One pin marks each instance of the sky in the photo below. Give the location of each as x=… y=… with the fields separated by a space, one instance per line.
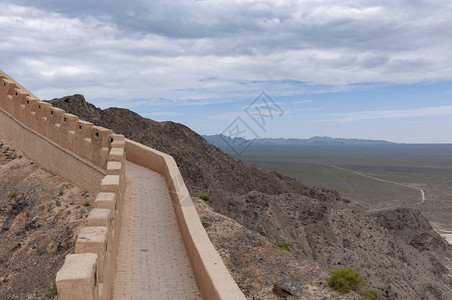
x=292 y=69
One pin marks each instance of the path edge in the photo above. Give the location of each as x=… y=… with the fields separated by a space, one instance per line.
x=212 y=276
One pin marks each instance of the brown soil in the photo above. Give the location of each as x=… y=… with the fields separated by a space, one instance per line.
x=40 y=214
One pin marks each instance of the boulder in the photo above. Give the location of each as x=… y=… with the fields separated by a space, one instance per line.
x=287 y=290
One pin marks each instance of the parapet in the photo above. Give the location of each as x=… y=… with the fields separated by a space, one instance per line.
x=91 y=142
x=79 y=269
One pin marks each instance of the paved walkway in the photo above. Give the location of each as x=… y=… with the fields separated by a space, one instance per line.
x=152 y=262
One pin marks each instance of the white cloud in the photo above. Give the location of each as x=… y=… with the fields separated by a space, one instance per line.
x=155 y=50
x=302 y=101
x=266 y=104
x=424 y=112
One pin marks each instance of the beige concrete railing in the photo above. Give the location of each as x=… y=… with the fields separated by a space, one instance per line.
x=90 y=156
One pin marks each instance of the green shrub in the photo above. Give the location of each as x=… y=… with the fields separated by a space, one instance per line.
x=345 y=279
x=12 y=194
x=283 y=245
x=86 y=203
x=369 y=295
x=204 y=197
x=52 y=292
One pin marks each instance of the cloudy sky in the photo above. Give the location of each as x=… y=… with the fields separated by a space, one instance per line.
x=364 y=69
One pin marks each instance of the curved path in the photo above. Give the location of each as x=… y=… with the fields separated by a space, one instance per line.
x=152 y=262
x=386 y=181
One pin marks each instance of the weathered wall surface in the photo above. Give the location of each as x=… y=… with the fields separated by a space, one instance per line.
x=92 y=157
x=59 y=142
x=50 y=156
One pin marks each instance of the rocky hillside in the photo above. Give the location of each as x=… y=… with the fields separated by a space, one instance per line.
x=397 y=252
x=204 y=167
x=40 y=214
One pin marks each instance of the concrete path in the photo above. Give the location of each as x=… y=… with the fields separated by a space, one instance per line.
x=152 y=262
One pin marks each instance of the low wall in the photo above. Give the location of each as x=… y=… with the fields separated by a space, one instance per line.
x=212 y=276
x=91 y=157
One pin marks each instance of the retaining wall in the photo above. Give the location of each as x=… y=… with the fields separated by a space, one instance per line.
x=91 y=157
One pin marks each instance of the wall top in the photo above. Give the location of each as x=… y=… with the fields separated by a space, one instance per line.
x=66 y=130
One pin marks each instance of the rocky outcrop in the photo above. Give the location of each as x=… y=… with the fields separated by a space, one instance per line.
x=412 y=228
x=287 y=290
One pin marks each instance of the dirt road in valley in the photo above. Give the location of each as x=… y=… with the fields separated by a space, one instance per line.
x=444 y=233
x=386 y=181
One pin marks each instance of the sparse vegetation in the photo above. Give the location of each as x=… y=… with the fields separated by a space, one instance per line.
x=345 y=279
x=369 y=295
x=86 y=203
x=283 y=245
x=52 y=292
x=204 y=197
x=12 y=194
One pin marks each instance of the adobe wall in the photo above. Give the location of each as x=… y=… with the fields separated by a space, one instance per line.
x=91 y=157
x=50 y=156
x=59 y=142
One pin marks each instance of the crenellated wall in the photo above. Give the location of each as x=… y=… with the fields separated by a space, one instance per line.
x=91 y=157
x=60 y=142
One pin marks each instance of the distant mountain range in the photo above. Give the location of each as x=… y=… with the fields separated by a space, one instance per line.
x=221 y=140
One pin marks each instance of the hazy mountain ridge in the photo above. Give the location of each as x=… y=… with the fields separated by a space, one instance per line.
x=397 y=251
x=221 y=140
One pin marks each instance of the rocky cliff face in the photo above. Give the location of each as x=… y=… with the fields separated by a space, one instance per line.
x=397 y=252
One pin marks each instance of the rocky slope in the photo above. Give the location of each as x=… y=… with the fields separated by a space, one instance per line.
x=204 y=167
x=256 y=263
x=397 y=252
x=40 y=214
